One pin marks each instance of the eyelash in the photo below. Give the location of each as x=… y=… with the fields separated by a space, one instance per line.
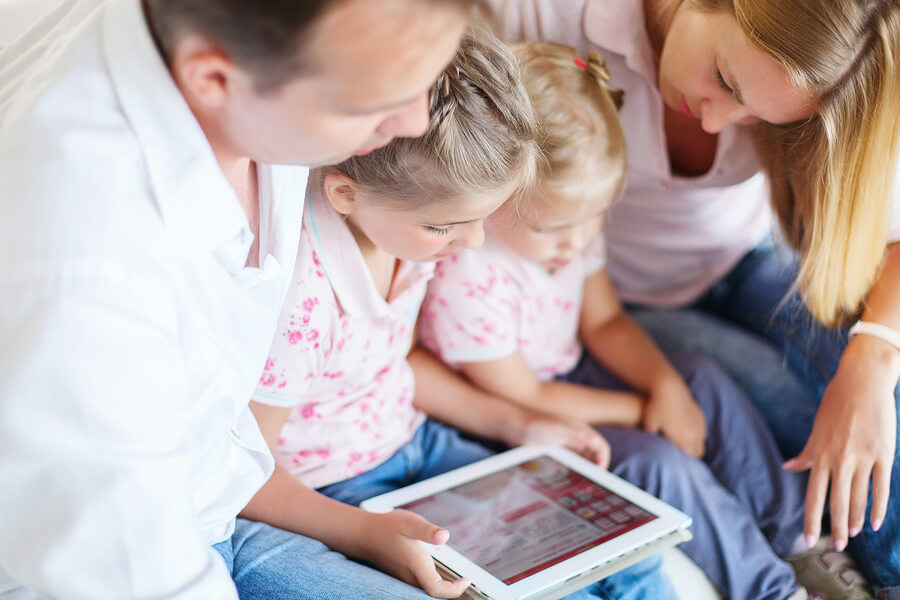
x=722 y=83
x=438 y=230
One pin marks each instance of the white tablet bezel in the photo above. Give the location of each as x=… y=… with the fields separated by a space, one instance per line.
x=668 y=520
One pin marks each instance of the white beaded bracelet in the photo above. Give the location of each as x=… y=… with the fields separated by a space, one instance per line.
x=882 y=332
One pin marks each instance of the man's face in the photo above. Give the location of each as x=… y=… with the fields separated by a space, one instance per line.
x=371 y=66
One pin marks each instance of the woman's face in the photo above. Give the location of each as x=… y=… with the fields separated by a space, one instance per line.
x=709 y=71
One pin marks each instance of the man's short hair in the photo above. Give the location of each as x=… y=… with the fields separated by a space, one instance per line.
x=264 y=36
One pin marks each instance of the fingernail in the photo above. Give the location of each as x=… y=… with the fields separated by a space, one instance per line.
x=876 y=524
x=854 y=531
x=839 y=545
x=810 y=540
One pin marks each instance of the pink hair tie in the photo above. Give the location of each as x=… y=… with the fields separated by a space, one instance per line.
x=581 y=64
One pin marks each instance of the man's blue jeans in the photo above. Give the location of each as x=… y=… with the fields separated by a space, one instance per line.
x=757 y=328
x=271 y=564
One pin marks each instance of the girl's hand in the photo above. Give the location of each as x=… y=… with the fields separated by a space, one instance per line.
x=672 y=411
x=393 y=543
x=541 y=429
x=852 y=442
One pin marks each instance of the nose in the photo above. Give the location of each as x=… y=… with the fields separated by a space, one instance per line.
x=717 y=115
x=573 y=238
x=410 y=120
x=472 y=235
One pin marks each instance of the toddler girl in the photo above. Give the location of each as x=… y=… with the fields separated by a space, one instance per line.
x=336 y=399
x=533 y=318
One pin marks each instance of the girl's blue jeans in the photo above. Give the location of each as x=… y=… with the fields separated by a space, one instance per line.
x=272 y=564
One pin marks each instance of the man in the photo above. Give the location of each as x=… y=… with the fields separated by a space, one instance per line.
x=145 y=246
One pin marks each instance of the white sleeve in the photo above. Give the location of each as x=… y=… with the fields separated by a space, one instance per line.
x=541 y=20
x=94 y=451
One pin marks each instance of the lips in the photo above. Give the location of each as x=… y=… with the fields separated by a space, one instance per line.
x=686 y=109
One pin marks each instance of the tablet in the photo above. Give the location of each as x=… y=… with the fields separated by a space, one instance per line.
x=537 y=522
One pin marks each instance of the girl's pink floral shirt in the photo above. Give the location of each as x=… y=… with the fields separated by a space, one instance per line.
x=486 y=304
x=339 y=356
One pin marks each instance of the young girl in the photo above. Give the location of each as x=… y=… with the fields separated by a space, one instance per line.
x=809 y=90
x=336 y=399
x=515 y=317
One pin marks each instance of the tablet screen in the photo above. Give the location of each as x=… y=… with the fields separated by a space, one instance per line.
x=528 y=517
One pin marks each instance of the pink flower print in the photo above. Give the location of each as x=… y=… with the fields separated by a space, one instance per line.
x=312 y=335
x=281 y=441
x=305 y=319
x=355 y=457
x=333 y=375
x=323 y=453
x=309 y=304
x=306 y=453
x=479 y=339
x=373 y=456
x=308 y=376
x=565 y=305
x=294 y=337
x=282 y=385
x=267 y=379
x=365 y=428
x=379 y=377
x=269 y=364
x=315 y=257
x=365 y=407
x=442 y=302
x=308 y=411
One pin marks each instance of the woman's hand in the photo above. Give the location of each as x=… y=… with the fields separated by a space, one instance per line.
x=852 y=443
x=538 y=428
x=672 y=411
x=393 y=543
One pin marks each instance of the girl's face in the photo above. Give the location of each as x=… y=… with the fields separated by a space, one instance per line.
x=709 y=71
x=551 y=234
x=431 y=232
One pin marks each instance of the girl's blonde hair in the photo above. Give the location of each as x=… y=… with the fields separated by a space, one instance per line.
x=831 y=175
x=481 y=137
x=582 y=143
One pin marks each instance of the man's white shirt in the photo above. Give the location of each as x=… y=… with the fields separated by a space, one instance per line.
x=132 y=333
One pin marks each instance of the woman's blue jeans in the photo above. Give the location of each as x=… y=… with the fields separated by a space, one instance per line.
x=755 y=325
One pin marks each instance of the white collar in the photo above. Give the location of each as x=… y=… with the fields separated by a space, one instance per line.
x=196 y=201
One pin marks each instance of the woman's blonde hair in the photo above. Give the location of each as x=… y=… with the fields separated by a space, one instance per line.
x=831 y=175
x=482 y=135
x=582 y=143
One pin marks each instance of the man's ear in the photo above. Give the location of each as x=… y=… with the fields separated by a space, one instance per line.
x=342 y=192
x=203 y=72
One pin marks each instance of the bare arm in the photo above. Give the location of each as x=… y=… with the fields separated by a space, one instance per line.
x=389 y=541
x=512 y=378
x=618 y=343
x=449 y=397
x=854 y=433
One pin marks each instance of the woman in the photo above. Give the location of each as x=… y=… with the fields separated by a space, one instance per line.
x=813 y=85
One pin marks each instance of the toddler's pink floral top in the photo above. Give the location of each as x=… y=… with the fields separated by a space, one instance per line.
x=339 y=356
x=484 y=305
